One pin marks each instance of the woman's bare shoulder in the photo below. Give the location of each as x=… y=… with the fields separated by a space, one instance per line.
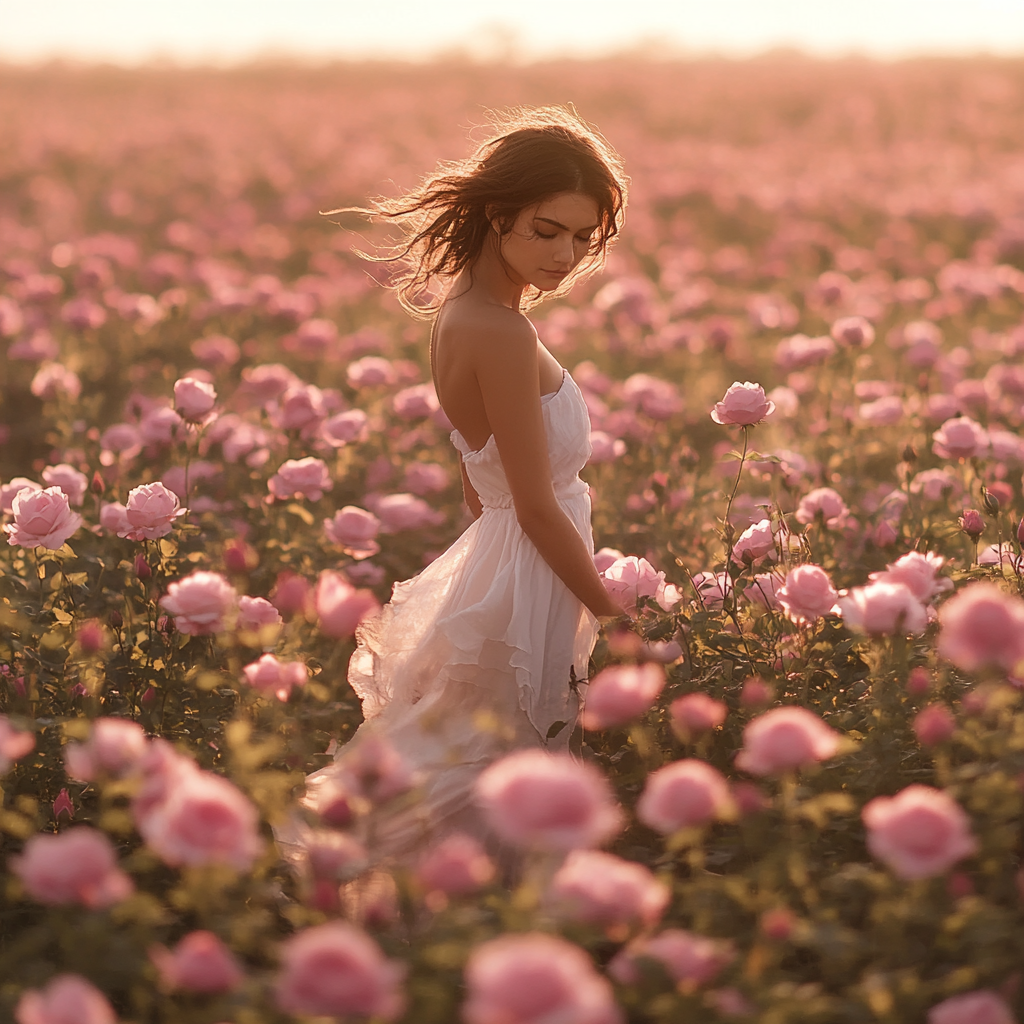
x=483 y=327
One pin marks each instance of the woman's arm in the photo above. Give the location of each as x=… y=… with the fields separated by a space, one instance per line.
x=469 y=492
x=507 y=372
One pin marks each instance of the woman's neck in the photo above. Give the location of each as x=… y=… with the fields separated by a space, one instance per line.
x=490 y=278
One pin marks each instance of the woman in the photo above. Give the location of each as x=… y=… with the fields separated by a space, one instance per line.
x=478 y=654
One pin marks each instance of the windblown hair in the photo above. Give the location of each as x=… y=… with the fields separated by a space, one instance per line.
x=536 y=153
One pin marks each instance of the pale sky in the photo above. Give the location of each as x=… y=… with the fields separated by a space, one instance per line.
x=132 y=31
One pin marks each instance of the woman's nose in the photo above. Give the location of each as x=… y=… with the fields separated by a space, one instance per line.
x=564 y=251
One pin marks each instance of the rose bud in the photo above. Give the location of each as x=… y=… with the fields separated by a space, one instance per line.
x=971 y=523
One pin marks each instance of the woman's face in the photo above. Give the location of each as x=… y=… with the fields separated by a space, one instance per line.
x=549 y=238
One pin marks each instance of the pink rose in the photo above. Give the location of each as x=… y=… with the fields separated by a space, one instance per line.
x=982 y=625
x=799 y=351
x=882 y=412
x=606 y=557
x=881 y=609
x=374 y=771
x=291 y=594
x=629 y=580
x=425 y=478
x=684 y=794
x=336 y=970
x=605 y=448
x=743 y=405
x=73 y=483
x=918 y=833
x=455 y=866
x=66 y=999
x=193 y=398
x=53 y=380
x=825 y=502
x=216 y=350
x=807 y=594
x=619 y=693
x=960 y=438
x=534 y=978
x=713 y=588
x=202 y=818
x=340 y=606
x=78 y=865
x=301 y=478
x=763 y=591
x=354 y=530
x=14 y=743
x=301 y=407
x=114 y=518
x=277 y=677
x=267 y=381
x=972 y=523
x=415 y=402
x=853 y=332
x=42 y=519
x=785 y=738
x=370 y=372
x=918 y=571
x=405 y=512
x=199 y=963
x=933 y=724
x=254 y=613
x=547 y=801
x=345 y=428
x=979 y=1007
x=9 y=491
x=200 y=602
x=696 y=713
x=755 y=543
x=115 y=748
x=688 y=958
x=598 y=888
x=150 y=512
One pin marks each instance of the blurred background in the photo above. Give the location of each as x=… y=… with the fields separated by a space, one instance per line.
x=192 y=31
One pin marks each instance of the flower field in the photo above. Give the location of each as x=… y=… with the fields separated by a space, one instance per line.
x=800 y=774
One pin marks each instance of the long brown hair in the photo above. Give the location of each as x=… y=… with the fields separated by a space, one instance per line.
x=535 y=153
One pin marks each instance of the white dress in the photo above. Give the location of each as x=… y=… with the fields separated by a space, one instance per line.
x=471 y=658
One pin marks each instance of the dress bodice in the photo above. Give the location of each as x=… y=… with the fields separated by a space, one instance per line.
x=567 y=425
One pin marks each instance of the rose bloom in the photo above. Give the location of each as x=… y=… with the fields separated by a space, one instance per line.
x=66 y=999
x=534 y=978
x=301 y=478
x=200 y=602
x=301 y=407
x=756 y=541
x=807 y=594
x=340 y=606
x=354 y=530
x=256 y=612
x=150 y=512
x=193 y=398
x=713 y=588
x=606 y=557
x=42 y=519
x=455 y=866
x=405 y=512
x=982 y=625
x=415 y=402
x=853 y=332
x=783 y=739
x=696 y=713
x=115 y=748
x=918 y=572
x=827 y=503
x=686 y=957
x=53 y=380
x=629 y=580
x=277 y=677
x=960 y=438
x=933 y=724
x=605 y=448
x=881 y=609
x=216 y=350
x=336 y=970
x=370 y=372
x=113 y=517
x=9 y=491
x=202 y=819
x=14 y=743
x=599 y=888
x=979 y=1007
x=684 y=794
x=935 y=484
x=918 y=833
x=882 y=412
x=743 y=405
x=73 y=483
x=619 y=693
x=267 y=381
x=345 y=428
x=425 y=478
x=78 y=865
x=547 y=801
x=199 y=963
